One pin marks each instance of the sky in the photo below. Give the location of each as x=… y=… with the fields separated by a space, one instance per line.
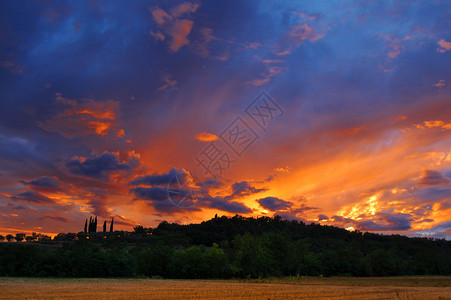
x=332 y=112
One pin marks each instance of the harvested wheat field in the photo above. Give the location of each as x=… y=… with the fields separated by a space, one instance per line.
x=303 y=288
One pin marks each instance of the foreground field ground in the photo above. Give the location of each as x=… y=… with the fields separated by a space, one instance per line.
x=302 y=288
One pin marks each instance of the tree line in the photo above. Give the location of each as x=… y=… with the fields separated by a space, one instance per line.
x=227 y=247
x=19 y=237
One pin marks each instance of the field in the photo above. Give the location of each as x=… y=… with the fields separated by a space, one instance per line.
x=302 y=288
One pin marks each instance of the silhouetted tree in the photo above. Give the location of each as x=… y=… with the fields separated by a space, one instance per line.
x=104 y=226
x=20 y=237
x=9 y=237
x=139 y=229
x=92 y=227
x=86 y=226
x=111 y=226
x=2 y=238
x=90 y=224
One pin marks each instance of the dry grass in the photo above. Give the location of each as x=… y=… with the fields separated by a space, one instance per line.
x=304 y=288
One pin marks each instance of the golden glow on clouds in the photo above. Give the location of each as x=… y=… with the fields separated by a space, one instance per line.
x=206 y=137
x=369 y=206
x=354 y=142
x=85 y=117
x=433 y=124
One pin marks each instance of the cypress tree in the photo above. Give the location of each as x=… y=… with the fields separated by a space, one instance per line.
x=111 y=226
x=86 y=225
x=104 y=226
x=95 y=225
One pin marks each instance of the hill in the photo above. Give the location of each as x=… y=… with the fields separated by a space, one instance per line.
x=226 y=247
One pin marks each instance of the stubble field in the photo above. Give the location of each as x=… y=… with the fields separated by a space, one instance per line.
x=303 y=288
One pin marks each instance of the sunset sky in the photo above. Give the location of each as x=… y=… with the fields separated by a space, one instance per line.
x=333 y=112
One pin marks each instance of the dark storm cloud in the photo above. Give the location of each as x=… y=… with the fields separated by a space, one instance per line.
x=58 y=219
x=158 y=197
x=381 y=221
x=274 y=203
x=396 y=221
x=431 y=177
x=171 y=177
x=154 y=193
x=212 y=183
x=32 y=197
x=243 y=188
x=98 y=167
x=44 y=182
x=225 y=205
x=431 y=194
x=322 y=217
x=164 y=193
x=178 y=186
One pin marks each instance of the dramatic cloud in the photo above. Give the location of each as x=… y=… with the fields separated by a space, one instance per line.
x=96 y=109
x=155 y=193
x=322 y=217
x=32 y=197
x=274 y=203
x=243 y=188
x=84 y=117
x=98 y=167
x=178 y=190
x=44 y=183
x=172 y=177
x=225 y=205
x=431 y=177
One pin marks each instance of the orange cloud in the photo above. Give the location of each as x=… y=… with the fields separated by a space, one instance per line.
x=178 y=29
x=184 y=8
x=159 y=15
x=120 y=133
x=444 y=46
x=441 y=83
x=206 y=137
x=179 y=32
x=84 y=117
x=437 y=124
x=101 y=128
x=401 y=118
